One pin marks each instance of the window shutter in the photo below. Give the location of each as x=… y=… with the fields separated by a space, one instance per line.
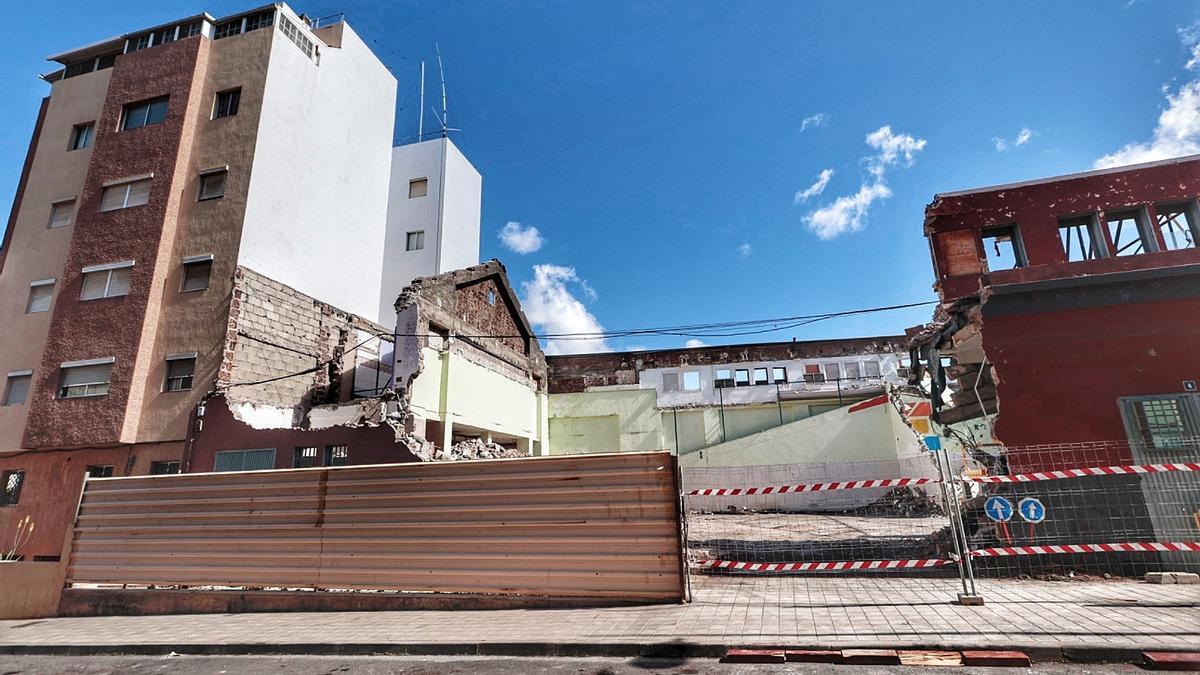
x=259 y=459
x=60 y=214
x=670 y=381
x=39 y=298
x=79 y=375
x=832 y=371
x=871 y=369
x=18 y=390
x=113 y=197
x=195 y=275
x=229 y=461
x=118 y=284
x=139 y=193
x=93 y=285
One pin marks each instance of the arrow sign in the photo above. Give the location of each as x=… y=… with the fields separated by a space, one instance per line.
x=1032 y=510
x=998 y=509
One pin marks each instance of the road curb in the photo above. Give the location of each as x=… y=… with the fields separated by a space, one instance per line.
x=674 y=649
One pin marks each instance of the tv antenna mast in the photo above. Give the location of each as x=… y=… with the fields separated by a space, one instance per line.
x=443 y=118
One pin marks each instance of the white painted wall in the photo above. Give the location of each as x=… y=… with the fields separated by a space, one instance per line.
x=708 y=394
x=316 y=211
x=449 y=215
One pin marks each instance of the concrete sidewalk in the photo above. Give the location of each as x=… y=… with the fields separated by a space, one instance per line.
x=1100 y=620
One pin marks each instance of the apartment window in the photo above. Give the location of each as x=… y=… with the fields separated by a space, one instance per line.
x=302 y=458
x=100 y=471
x=691 y=381
x=833 y=371
x=260 y=20
x=741 y=377
x=293 y=33
x=1179 y=224
x=337 y=455
x=670 y=381
x=11 y=481
x=77 y=379
x=1129 y=232
x=180 y=369
x=418 y=187
x=227 y=29
x=124 y=195
x=1081 y=238
x=1162 y=422
x=212 y=184
x=16 y=389
x=779 y=375
x=187 y=30
x=106 y=281
x=164 y=468
x=245 y=460
x=227 y=102
x=1002 y=248
x=143 y=114
x=870 y=369
x=196 y=271
x=41 y=293
x=724 y=379
x=61 y=213
x=491 y=296
x=81 y=135
x=165 y=35
x=414 y=241
x=851 y=370
x=760 y=376
x=140 y=42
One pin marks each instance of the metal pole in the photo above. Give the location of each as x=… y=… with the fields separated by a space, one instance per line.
x=953 y=527
x=675 y=419
x=779 y=402
x=839 y=385
x=421 y=107
x=962 y=528
x=721 y=409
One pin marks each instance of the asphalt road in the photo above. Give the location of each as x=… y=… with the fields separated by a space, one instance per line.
x=376 y=665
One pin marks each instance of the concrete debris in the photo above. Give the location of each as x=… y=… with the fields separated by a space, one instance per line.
x=472 y=448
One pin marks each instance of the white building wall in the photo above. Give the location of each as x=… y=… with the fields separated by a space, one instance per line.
x=707 y=394
x=316 y=211
x=448 y=214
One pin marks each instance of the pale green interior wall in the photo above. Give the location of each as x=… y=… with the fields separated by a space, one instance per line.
x=638 y=427
x=579 y=435
x=452 y=388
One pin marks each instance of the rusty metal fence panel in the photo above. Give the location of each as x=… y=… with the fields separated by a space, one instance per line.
x=581 y=526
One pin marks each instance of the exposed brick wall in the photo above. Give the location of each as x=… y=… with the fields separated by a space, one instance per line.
x=576 y=373
x=275 y=330
x=491 y=318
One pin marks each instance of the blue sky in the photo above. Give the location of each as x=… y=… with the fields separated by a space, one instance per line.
x=658 y=147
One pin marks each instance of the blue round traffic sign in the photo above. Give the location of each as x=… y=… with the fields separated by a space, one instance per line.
x=1031 y=510
x=998 y=509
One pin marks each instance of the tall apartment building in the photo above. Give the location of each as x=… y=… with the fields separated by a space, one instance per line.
x=162 y=162
x=432 y=219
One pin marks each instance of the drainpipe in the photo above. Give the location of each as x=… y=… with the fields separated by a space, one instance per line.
x=721 y=409
x=779 y=402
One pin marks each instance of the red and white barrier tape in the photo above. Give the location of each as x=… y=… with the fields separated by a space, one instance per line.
x=810 y=487
x=1124 y=547
x=1088 y=471
x=831 y=566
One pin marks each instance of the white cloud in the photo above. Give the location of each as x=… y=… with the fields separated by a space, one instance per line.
x=745 y=250
x=815 y=189
x=1178 y=130
x=693 y=343
x=1022 y=138
x=849 y=212
x=520 y=239
x=552 y=308
x=813 y=121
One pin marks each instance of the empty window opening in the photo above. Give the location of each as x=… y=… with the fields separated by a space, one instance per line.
x=724 y=378
x=302 y=458
x=144 y=113
x=100 y=471
x=1128 y=232
x=418 y=187
x=212 y=185
x=11 y=482
x=106 y=281
x=125 y=195
x=1179 y=225
x=164 y=468
x=1002 y=248
x=670 y=381
x=741 y=377
x=491 y=296
x=81 y=378
x=41 y=294
x=81 y=135
x=414 y=241
x=337 y=455
x=16 y=389
x=61 y=213
x=196 y=272
x=691 y=381
x=779 y=375
x=870 y=369
x=227 y=103
x=760 y=376
x=180 y=369
x=1081 y=238
x=244 y=460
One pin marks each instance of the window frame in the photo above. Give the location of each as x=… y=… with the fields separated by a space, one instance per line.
x=104 y=471
x=846 y=367
x=867 y=365
x=11 y=496
x=737 y=377
x=27 y=377
x=70 y=205
x=1189 y=210
x=244 y=452
x=167 y=464
x=129 y=108
x=128 y=185
x=108 y=269
x=301 y=452
x=84 y=130
x=414 y=182
x=331 y=455
x=208 y=175
x=232 y=103
x=39 y=284
x=1145 y=234
x=168 y=378
x=1089 y=222
x=1013 y=233
x=68 y=365
x=688 y=374
x=775 y=379
x=766 y=376
x=1187 y=406
x=194 y=262
x=408 y=238
x=723 y=382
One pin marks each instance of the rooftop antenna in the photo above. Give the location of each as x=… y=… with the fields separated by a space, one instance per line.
x=421 y=107
x=442 y=76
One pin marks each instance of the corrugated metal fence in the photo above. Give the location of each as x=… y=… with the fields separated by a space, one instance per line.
x=592 y=526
